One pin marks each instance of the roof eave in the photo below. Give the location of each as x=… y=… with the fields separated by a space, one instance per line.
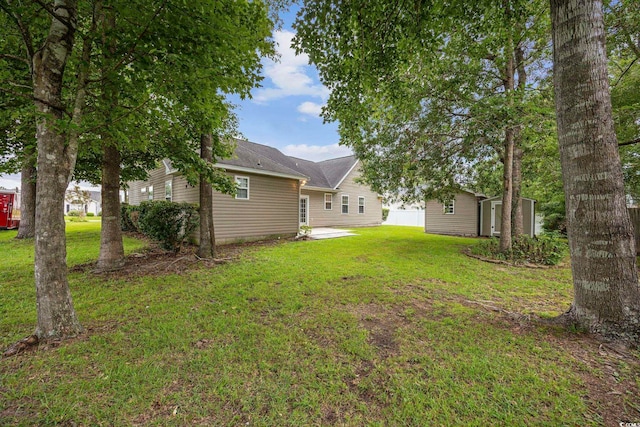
x=347 y=174
x=259 y=171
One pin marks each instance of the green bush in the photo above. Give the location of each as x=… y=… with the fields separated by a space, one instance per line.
x=385 y=213
x=90 y=214
x=546 y=249
x=126 y=222
x=73 y=213
x=168 y=223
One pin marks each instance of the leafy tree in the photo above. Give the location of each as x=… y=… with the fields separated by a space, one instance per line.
x=423 y=92
x=601 y=238
x=171 y=62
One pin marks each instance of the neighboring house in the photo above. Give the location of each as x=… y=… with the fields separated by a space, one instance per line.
x=471 y=214
x=276 y=194
x=94 y=204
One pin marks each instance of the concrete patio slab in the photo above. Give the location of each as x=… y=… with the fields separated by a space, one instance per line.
x=320 y=233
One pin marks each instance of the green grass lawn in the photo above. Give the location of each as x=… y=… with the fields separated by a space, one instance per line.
x=390 y=327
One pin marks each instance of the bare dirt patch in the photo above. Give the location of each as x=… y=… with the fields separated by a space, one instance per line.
x=610 y=371
x=154 y=261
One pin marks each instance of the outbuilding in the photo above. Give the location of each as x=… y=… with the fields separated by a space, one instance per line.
x=491 y=216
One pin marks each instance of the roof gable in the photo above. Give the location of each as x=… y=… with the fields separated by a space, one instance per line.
x=327 y=174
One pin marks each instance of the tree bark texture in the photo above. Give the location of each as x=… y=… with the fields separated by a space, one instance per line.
x=28 y=197
x=207 y=248
x=56 y=315
x=601 y=238
x=507 y=173
x=517 y=220
x=111 y=247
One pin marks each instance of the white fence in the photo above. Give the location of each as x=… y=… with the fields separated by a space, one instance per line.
x=402 y=217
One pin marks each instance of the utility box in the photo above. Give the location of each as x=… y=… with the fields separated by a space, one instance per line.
x=9 y=209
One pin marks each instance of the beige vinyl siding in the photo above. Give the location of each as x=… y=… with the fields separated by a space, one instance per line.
x=271 y=210
x=463 y=222
x=320 y=217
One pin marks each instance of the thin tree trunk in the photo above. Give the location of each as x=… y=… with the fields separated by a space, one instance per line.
x=507 y=190
x=517 y=218
x=507 y=173
x=601 y=238
x=28 y=196
x=207 y=248
x=111 y=246
x=56 y=315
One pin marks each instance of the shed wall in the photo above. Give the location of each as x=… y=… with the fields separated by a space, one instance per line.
x=463 y=222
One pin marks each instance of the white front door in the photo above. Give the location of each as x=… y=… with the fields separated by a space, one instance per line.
x=304 y=210
x=496 y=218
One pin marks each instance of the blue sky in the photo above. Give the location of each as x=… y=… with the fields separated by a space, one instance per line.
x=285 y=112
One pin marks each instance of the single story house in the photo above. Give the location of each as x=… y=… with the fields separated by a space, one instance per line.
x=276 y=194
x=92 y=205
x=472 y=214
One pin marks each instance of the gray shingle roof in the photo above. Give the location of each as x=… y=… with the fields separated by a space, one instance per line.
x=326 y=174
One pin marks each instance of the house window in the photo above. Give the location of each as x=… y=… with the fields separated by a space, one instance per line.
x=150 y=192
x=449 y=207
x=345 y=204
x=360 y=205
x=328 y=201
x=168 y=190
x=242 y=187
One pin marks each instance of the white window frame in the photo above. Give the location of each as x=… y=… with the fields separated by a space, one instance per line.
x=168 y=190
x=449 y=208
x=150 y=192
x=238 y=187
x=342 y=204
x=330 y=202
x=361 y=205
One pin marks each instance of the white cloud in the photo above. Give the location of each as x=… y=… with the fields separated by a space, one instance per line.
x=316 y=153
x=290 y=76
x=310 y=108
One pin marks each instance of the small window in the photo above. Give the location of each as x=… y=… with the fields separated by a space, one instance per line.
x=168 y=190
x=150 y=192
x=449 y=208
x=360 y=205
x=143 y=190
x=328 y=201
x=345 y=204
x=242 y=187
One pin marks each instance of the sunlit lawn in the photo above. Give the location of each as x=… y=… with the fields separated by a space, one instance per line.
x=389 y=327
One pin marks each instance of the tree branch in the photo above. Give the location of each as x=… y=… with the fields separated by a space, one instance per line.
x=15 y=58
x=139 y=37
x=53 y=13
x=633 y=141
x=24 y=30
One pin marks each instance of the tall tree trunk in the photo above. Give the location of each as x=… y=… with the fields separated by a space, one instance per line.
x=517 y=216
x=56 y=159
x=111 y=246
x=517 y=220
x=207 y=248
x=507 y=190
x=601 y=238
x=507 y=173
x=28 y=196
